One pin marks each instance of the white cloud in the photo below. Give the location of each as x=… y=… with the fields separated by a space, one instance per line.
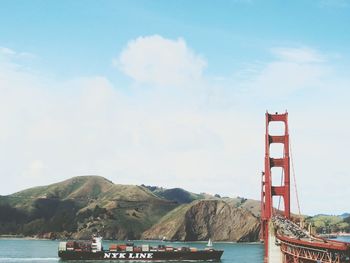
x=293 y=70
x=283 y=78
x=160 y=61
x=298 y=55
x=86 y=126
x=7 y=52
x=54 y=130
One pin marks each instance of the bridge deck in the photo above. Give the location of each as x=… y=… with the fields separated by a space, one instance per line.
x=298 y=245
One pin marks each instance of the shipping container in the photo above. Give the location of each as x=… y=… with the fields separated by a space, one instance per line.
x=137 y=249
x=121 y=247
x=129 y=249
x=113 y=247
x=145 y=247
x=70 y=244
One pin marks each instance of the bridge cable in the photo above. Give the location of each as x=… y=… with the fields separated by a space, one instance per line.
x=293 y=172
x=280 y=197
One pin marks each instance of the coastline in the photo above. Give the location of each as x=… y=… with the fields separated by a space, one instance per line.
x=7 y=237
x=14 y=237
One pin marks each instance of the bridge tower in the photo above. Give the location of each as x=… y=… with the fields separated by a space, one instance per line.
x=267 y=189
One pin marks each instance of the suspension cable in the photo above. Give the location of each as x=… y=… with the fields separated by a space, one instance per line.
x=293 y=172
x=280 y=197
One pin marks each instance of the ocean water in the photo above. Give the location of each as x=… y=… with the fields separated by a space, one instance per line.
x=45 y=251
x=344 y=239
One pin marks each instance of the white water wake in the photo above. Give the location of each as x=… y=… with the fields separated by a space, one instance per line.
x=28 y=259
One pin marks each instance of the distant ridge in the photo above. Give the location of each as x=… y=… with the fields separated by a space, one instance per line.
x=178 y=195
x=83 y=205
x=344 y=215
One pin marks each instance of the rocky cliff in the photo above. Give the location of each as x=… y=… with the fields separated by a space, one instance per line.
x=204 y=219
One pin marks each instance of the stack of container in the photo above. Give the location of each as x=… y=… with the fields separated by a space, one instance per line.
x=129 y=249
x=169 y=248
x=153 y=249
x=121 y=247
x=161 y=248
x=145 y=248
x=83 y=246
x=113 y=247
x=137 y=249
x=70 y=245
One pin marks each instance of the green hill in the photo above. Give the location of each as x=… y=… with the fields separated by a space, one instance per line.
x=178 y=195
x=329 y=223
x=81 y=206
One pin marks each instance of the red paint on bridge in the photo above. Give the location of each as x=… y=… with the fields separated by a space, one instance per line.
x=268 y=190
x=294 y=249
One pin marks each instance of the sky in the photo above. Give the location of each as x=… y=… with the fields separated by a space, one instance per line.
x=174 y=94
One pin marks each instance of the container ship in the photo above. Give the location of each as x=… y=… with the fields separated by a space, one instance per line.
x=93 y=250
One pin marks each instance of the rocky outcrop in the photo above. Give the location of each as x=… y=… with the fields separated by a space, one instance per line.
x=204 y=219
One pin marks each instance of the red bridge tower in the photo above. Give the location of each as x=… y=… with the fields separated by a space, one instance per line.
x=269 y=190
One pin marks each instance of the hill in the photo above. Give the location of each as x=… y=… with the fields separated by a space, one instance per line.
x=178 y=195
x=329 y=223
x=204 y=219
x=344 y=215
x=83 y=205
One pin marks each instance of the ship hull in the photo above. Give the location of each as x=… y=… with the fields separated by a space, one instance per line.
x=205 y=255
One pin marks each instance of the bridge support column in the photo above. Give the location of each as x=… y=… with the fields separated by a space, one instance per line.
x=268 y=190
x=275 y=254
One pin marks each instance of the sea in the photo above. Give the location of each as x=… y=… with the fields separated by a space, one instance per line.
x=45 y=251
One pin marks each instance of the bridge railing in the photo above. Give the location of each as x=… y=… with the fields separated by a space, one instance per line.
x=295 y=253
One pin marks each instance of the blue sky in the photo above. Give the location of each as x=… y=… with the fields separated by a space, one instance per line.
x=241 y=30
x=173 y=93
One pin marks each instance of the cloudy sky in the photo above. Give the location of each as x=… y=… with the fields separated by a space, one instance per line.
x=173 y=93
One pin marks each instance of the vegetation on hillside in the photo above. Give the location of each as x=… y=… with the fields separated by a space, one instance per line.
x=325 y=224
x=178 y=195
x=81 y=206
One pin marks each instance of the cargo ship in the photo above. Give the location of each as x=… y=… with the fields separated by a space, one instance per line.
x=93 y=250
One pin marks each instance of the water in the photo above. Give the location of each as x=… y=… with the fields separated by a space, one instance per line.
x=344 y=239
x=45 y=251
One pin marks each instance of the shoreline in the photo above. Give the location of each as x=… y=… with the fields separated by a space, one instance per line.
x=22 y=238
x=9 y=237
x=6 y=237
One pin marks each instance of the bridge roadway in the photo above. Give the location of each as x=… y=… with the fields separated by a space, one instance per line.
x=288 y=243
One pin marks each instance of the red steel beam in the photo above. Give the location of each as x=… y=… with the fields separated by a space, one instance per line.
x=267 y=189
